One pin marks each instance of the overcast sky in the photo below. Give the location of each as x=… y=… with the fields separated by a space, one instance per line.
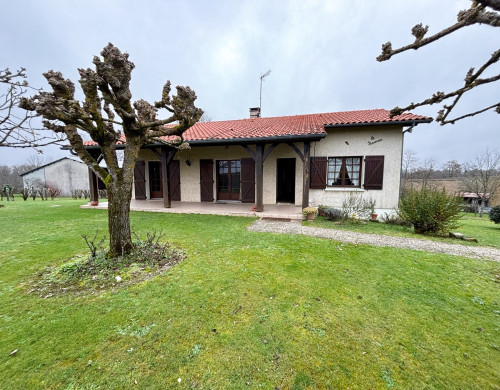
x=321 y=55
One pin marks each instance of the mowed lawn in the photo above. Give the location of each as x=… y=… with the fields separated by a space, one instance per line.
x=245 y=310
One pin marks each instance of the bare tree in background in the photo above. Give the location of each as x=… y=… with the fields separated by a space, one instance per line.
x=452 y=169
x=205 y=118
x=410 y=161
x=425 y=172
x=485 y=12
x=481 y=176
x=110 y=118
x=16 y=130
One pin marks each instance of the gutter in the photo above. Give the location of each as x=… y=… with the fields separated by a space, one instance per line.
x=411 y=123
x=253 y=140
x=230 y=141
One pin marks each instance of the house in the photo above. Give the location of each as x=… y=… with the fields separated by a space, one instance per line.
x=66 y=174
x=301 y=159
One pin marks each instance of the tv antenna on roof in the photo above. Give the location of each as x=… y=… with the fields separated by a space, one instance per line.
x=261 y=79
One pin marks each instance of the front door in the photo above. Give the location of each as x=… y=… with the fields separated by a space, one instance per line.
x=285 y=180
x=155 y=184
x=228 y=179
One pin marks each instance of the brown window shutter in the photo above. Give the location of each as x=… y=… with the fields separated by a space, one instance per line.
x=374 y=172
x=247 y=180
x=207 y=180
x=318 y=173
x=140 y=180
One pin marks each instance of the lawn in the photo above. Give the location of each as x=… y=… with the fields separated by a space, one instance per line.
x=245 y=310
x=483 y=229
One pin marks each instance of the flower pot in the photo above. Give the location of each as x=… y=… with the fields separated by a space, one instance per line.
x=374 y=217
x=311 y=216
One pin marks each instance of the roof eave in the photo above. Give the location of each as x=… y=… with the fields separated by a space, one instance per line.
x=232 y=141
x=408 y=122
x=253 y=140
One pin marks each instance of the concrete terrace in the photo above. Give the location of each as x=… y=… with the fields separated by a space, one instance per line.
x=275 y=211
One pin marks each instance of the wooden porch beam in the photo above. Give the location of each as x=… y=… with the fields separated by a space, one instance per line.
x=165 y=179
x=259 y=177
x=305 y=174
x=94 y=188
x=269 y=150
x=165 y=155
x=266 y=153
x=297 y=150
x=250 y=151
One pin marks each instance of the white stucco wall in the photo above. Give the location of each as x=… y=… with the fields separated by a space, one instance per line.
x=339 y=142
x=363 y=141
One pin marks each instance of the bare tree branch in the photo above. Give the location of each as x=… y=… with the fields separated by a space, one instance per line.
x=477 y=14
x=16 y=130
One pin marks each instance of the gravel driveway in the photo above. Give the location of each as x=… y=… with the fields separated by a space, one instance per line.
x=295 y=227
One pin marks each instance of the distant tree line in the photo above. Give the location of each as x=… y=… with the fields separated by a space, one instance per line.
x=480 y=176
x=427 y=169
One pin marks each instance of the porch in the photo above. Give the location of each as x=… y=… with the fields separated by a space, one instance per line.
x=281 y=211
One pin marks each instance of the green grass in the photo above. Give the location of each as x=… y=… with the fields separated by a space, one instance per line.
x=245 y=310
x=484 y=230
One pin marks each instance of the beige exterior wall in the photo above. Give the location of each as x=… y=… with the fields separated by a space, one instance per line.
x=338 y=143
x=363 y=141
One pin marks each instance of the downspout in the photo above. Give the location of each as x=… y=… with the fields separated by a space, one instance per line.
x=409 y=130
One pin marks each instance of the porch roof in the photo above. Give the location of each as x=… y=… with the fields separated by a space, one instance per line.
x=289 y=128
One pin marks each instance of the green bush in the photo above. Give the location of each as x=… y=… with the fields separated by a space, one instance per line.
x=430 y=210
x=495 y=214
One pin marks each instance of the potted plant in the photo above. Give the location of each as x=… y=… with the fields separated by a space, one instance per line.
x=371 y=205
x=310 y=213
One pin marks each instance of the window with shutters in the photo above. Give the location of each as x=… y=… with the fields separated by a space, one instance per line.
x=344 y=172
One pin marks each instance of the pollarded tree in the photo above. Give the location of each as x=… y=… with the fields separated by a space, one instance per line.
x=485 y=12
x=108 y=116
x=16 y=130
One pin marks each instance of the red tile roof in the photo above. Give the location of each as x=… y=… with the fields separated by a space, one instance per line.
x=294 y=126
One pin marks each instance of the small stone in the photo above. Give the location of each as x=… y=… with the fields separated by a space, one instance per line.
x=470 y=239
x=118 y=279
x=460 y=236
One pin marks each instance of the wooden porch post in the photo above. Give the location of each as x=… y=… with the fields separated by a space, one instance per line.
x=259 y=176
x=94 y=188
x=306 y=175
x=164 y=177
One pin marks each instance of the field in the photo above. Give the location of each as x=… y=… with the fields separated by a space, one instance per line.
x=244 y=310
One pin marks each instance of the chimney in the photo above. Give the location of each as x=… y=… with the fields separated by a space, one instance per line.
x=255 y=112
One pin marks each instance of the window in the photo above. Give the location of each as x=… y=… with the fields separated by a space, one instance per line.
x=344 y=171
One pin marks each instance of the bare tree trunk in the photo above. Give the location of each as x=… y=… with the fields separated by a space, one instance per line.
x=119 y=195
